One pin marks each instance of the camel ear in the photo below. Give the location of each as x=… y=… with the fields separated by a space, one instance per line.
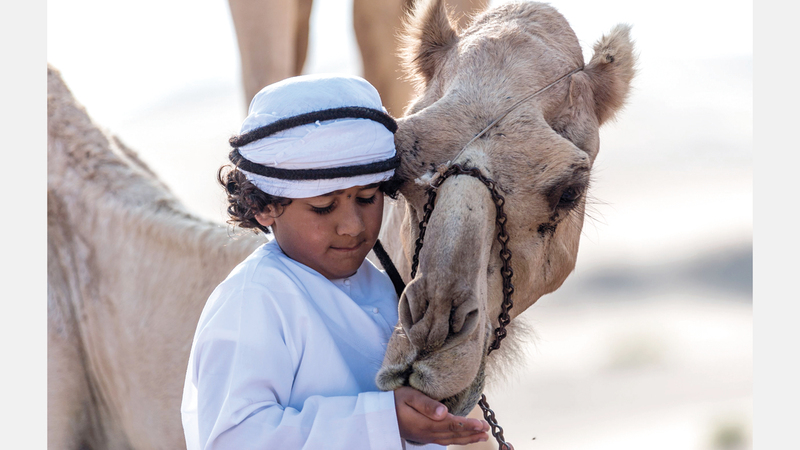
x=429 y=33
x=610 y=71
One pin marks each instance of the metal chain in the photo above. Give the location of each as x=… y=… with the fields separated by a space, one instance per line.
x=506 y=272
x=497 y=430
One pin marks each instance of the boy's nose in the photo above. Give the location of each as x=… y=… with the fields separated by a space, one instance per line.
x=350 y=223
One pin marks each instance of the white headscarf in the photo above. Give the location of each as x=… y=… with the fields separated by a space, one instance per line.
x=324 y=144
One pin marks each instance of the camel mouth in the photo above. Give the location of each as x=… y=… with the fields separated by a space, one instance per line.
x=462 y=403
x=459 y=404
x=421 y=373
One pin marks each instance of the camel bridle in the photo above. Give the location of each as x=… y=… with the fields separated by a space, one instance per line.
x=502 y=237
x=444 y=172
x=506 y=272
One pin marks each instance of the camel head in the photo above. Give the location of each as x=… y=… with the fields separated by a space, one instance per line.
x=540 y=155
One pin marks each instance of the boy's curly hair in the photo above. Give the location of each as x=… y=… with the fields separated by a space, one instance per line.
x=245 y=200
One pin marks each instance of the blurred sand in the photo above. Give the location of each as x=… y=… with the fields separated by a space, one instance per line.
x=648 y=344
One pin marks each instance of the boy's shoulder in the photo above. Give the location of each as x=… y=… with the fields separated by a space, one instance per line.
x=263 y=280
x=266 y=267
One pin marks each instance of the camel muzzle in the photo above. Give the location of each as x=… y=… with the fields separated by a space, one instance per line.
x=438 y=319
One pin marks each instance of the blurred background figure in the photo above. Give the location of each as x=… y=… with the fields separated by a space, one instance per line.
x=649 y=343
x=272 y=36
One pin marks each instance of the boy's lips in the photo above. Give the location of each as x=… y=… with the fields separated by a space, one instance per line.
x=347 y=248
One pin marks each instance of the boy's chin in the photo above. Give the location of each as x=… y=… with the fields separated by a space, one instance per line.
x=340 y=275
x=343 y=269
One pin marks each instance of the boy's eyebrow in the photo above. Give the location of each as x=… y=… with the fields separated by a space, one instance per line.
x=369 y=186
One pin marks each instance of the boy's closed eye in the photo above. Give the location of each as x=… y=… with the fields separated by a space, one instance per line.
x=364 y=197
x=323 y=209
x=367 y=195
x=366 y=200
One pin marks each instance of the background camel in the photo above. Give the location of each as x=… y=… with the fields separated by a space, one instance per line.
x=273 y=41
x=128 y=268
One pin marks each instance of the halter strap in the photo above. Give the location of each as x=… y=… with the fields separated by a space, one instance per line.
x=512 y=108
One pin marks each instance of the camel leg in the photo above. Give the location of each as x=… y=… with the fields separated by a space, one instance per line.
x=301 y=35
x=377 y=24
x=263 y=31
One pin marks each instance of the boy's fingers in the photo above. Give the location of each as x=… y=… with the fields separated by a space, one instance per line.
x=456 y=435
x=479 y=425
x=462 y=424
x=427 y=406
x=479 y=437
x=454 y=426
x=459 y=426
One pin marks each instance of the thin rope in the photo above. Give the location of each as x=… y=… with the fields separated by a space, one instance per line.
x=513 y=107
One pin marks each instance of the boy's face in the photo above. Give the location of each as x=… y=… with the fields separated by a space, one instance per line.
x=331 y=233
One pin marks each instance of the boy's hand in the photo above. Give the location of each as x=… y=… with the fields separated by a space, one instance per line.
x=424 y=420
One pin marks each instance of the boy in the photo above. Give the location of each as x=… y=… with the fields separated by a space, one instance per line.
x=287 y=347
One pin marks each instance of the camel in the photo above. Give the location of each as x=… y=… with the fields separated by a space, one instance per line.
x=539 y=152
x=128 y=271
x=129 y=268
x=273 y=41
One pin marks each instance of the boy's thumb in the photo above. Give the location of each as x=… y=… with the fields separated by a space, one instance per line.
x=429 y=407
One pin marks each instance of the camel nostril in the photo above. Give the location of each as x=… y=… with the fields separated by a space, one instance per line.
x=463 y=320
x=413 y=305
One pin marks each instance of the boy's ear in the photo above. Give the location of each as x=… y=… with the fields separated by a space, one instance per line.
x=265 y=218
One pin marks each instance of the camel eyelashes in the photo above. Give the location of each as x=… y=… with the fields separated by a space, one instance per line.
x=567 y=198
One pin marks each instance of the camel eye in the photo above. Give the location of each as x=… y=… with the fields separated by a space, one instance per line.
x=569 y=197
x=565 y=195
